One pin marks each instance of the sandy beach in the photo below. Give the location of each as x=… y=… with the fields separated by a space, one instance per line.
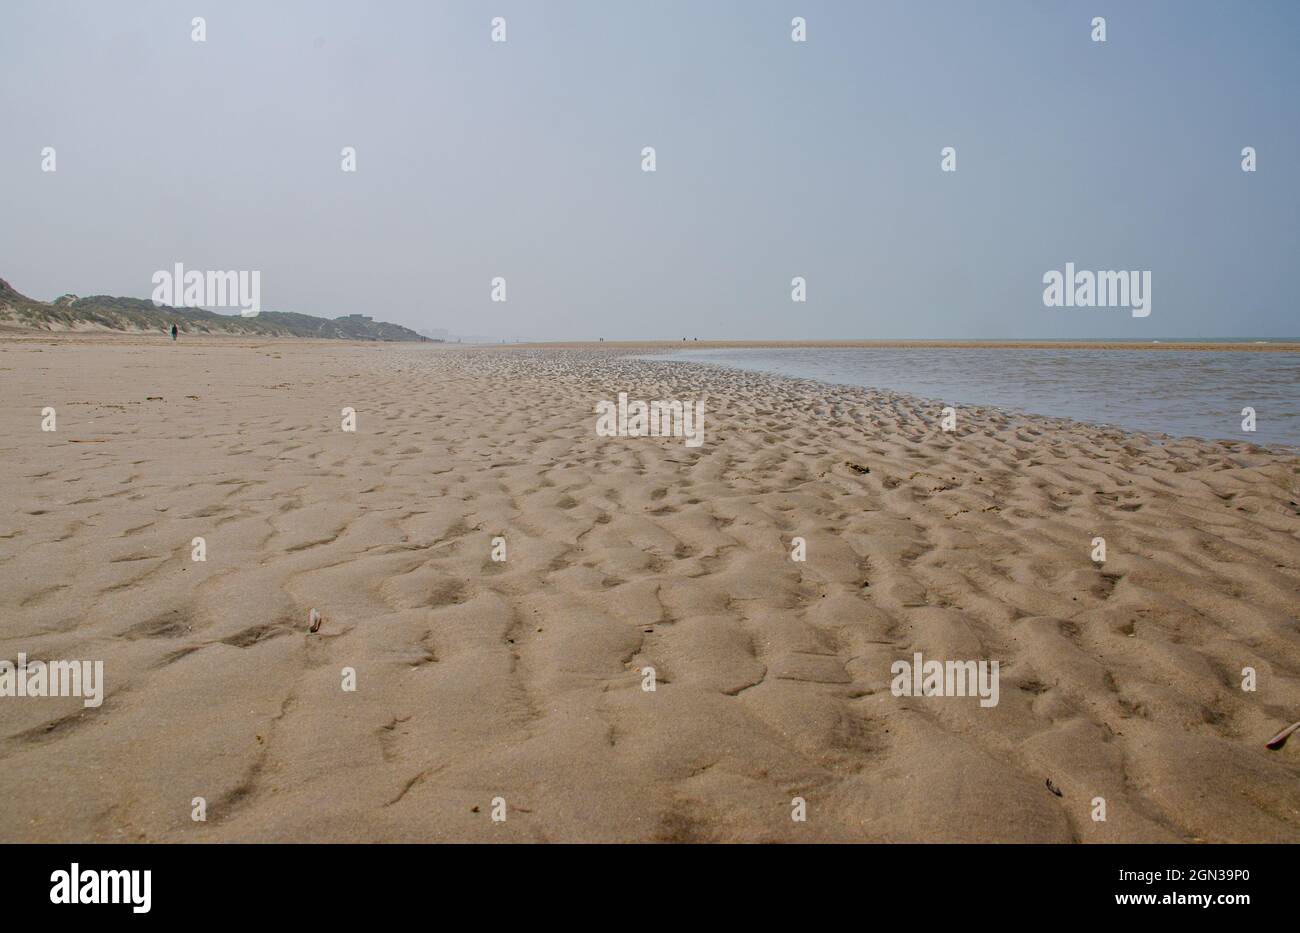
x=523 y=679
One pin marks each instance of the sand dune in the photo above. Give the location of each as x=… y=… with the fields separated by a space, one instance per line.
x=478 y=679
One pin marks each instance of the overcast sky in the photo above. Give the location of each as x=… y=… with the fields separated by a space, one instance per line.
x=774 y=159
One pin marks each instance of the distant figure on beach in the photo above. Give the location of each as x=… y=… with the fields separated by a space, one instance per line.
x=174 y=332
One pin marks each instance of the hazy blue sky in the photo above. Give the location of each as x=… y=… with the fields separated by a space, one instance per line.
x=775 y=159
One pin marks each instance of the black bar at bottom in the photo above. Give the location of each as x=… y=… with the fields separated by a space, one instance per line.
x=304 y=883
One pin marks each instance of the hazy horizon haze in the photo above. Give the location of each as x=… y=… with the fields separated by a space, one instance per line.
x=775 y=159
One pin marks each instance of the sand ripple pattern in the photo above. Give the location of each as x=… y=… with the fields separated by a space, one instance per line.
x=522 y=680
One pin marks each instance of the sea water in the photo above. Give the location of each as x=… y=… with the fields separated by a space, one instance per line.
x=1197 y=393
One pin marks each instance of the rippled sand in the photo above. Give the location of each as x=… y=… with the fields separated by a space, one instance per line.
x=523 y=680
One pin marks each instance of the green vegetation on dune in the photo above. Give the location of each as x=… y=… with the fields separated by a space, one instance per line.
x=104 y=312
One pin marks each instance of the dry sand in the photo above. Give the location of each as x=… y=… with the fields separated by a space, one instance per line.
x=523 y=680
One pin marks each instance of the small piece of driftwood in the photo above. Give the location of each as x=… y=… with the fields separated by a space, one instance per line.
x=1280 y=739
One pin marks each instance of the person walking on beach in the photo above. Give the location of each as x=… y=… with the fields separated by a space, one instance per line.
x=174 y=332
